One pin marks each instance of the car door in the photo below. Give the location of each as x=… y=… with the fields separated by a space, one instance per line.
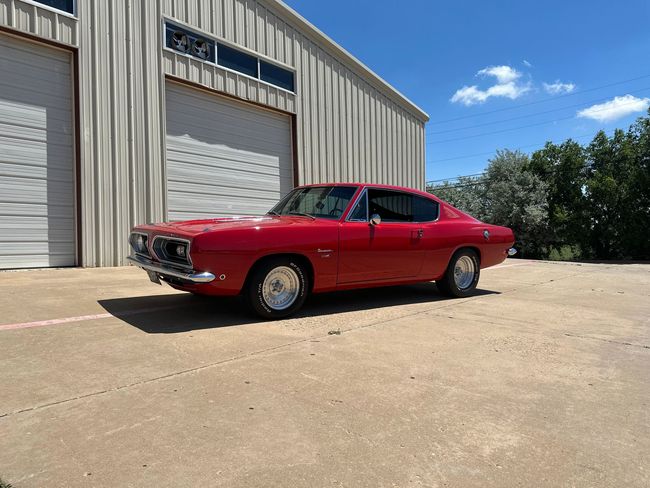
x=389 y=250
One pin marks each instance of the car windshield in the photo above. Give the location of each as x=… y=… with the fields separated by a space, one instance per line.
x=326 y=202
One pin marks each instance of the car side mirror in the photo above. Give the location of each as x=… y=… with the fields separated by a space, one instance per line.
x=375 y=219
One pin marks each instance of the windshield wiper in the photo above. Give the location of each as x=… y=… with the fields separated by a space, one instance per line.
x=303 y=215
x=272 y=212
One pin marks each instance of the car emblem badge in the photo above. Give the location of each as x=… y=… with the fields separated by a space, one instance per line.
x=486 y=234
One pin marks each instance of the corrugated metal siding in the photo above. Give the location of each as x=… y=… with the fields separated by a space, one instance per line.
x=39 y=21
x=230 y=82
x=122 y=144
x=349 y=129
x=350 y=126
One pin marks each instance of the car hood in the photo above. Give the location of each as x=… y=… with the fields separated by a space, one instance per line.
x=194 y=227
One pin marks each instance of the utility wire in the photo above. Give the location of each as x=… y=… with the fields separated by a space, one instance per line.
x=540 y=144
x=540 y=101
x=451 y=187
x=519 y=127
x=492 y=152
x=456 y=178
x=531 y=115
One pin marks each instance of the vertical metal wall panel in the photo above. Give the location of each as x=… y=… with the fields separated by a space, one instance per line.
x=122 y=170
x=39 y=21
x=367 y=143
x=350 y=125
x=212 y=76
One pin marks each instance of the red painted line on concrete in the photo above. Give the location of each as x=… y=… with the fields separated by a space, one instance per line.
x=509 y=265
x=66 y=320
x=83 y=318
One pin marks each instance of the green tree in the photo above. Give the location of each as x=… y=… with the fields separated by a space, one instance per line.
x=618 y=192
x=508 y=194
x=515 y=197
x=465 y=194
x=638 y=220
x=563 y=168
x=567 y=201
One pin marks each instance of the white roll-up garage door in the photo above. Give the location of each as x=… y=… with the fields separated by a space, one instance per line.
x=224 y=157
x=37 y=226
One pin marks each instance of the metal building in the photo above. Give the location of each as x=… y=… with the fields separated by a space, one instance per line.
x=118 y=112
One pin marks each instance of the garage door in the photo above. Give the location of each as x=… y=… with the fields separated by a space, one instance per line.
x=224 y=157
x=36 y=156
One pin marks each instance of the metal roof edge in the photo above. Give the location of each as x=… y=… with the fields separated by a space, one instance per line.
x=321 y=36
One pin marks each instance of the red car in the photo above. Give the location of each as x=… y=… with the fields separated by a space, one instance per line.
x=322 y=238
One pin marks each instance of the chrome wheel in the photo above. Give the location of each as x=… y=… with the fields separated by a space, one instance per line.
x=464 y=272
x=280 y=288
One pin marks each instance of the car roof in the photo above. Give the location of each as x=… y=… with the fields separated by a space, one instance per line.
x=376 y=185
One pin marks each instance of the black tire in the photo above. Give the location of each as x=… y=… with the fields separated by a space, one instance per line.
x=448 y=284
x=254 y=292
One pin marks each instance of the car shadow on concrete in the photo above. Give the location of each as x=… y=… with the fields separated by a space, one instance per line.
x=183 y=312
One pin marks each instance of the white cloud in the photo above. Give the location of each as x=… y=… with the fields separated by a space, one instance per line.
x=527 y=63
x=503 y=74
x=507 y=85
x=558 y=87
x=615 y=109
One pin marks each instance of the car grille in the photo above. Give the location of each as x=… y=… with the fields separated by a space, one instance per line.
x=172 y=250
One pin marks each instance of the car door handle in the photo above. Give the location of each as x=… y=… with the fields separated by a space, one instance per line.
x=418 y=233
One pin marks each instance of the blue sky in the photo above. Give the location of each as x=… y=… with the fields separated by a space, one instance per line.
x=483 y=70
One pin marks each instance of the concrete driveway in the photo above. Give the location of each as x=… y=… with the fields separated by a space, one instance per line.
x=542 y=379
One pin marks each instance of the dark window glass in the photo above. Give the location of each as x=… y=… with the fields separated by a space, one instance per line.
x=65 y=5
x=391 y=206
x=360 y=212
x=276 y=76
x=236 y=60
x=327 y=202
x=424 y=209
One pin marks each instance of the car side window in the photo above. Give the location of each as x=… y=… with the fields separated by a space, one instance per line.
x=360 y=211
x=424 y=209
x=390 y=205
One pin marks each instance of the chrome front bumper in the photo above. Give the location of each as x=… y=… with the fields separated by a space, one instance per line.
x=161 y=269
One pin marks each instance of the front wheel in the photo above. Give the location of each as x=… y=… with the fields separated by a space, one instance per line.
x=462 y=274
x=277 y=288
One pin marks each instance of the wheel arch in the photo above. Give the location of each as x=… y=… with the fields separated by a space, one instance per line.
x=471 y=247
x=309 y=267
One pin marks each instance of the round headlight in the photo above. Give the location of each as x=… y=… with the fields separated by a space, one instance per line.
x=180 y=250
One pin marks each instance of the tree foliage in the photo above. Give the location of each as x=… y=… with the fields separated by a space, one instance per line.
x=568 y=201
x=508 y=194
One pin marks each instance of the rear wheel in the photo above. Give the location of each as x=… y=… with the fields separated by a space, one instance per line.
x=277 y=288
x=462 y=274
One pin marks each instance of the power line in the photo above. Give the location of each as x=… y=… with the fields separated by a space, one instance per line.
x=456 y=178
x=531 y=115
x=491 y=153
x=472 y=155
x=540 y=101
x=501 y=131
x=451 y=187
x=519 y=127
x=541 y=144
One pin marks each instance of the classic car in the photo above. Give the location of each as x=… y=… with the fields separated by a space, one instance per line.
x=322 y=238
